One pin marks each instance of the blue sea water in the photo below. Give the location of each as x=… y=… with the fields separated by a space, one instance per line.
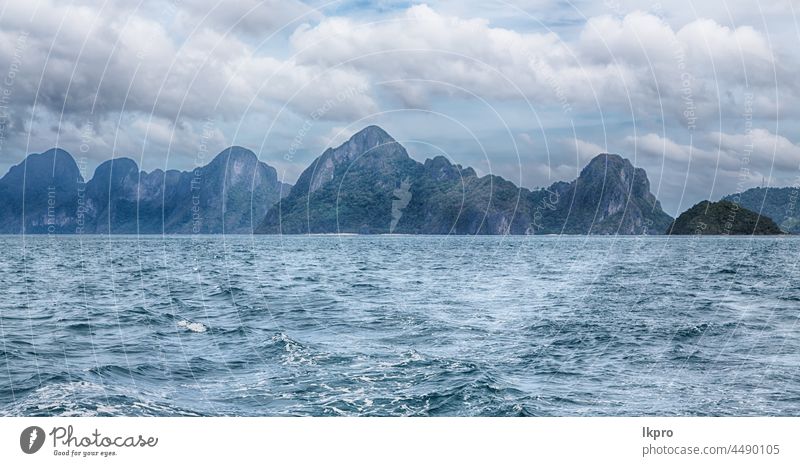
x=397 y=326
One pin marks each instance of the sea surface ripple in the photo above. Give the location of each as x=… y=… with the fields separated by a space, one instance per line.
x=399 y=326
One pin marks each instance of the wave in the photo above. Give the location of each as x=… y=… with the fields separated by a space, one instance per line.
x=82 y=398
x=197 y=327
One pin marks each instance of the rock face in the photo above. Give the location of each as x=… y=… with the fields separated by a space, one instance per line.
x=112 y=198
x=347 y=189
x=779 y=204
x=610 y=196
x=722 y=218
x=230 y=194
x=449 y=199
x=370 y=185
x=41 y=195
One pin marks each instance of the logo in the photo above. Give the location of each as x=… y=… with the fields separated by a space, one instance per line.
x=31 y=439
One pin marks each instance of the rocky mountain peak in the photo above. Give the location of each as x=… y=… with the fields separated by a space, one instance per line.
x=371 y=136
x=117 y=168
x=235 y=153
x=54 y=167
x=607 y=165
x=441 y=168
x=370 y=140
x=610 y=196
x=371 y=148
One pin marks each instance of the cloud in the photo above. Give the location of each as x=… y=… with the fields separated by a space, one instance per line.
x=715 y=164
x=422 y=44
x=637 y=64
x=81 y=61
x=585 y=150
x=654 y=144
x=767 y=151
x=146 y=76
x=254 y=18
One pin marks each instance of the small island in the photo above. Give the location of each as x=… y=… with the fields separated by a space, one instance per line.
x=722 y=218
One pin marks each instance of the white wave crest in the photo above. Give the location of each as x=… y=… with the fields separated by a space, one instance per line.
x=193 y=326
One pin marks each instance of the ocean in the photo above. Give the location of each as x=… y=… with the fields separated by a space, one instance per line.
x=399 y=326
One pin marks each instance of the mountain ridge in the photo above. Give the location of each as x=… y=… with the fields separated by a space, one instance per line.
x=46 y=193
x=369 y=184
x=778 y=203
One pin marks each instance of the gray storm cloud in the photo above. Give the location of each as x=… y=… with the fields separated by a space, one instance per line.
x=145 y=77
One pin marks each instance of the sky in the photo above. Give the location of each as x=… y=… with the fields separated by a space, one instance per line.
x=702 y=95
